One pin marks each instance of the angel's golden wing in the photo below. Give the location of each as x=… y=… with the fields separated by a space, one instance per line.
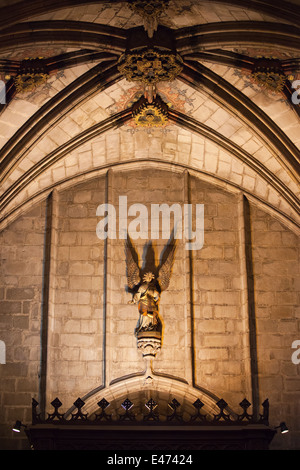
x=133 y=270
x=165 y=270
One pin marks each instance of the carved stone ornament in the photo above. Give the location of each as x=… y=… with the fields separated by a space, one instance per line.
x=269 y=74
x=150 y=114
x=150 y=11
x=31 y=74
x=150 y=66
x=149 y=343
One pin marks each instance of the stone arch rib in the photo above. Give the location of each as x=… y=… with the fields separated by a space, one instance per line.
x=73 y=33
x=27 y=9
x=201 y=78
x=52 y=112
x=200 y=37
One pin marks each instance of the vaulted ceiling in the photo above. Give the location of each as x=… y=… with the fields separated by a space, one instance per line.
x=223 y=124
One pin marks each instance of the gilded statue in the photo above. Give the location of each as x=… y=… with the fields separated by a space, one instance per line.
x=147 y=288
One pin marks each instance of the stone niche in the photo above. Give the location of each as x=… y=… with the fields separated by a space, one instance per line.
x=91 y=332
x=90 y=341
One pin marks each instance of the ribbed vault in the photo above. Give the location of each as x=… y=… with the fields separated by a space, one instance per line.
x=274 y=10
x=219 y=125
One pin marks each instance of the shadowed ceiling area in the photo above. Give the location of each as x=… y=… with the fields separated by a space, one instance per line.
x=232 y=107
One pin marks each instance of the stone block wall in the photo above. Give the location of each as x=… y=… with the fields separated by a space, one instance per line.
x=22 y=254
x=75 y=356
x=123 y=358
x=276 y=274
x=220 y=332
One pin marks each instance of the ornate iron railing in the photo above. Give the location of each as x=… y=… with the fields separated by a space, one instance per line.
x=223 y=417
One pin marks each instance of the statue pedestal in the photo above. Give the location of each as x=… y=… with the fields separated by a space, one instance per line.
x=149 y=343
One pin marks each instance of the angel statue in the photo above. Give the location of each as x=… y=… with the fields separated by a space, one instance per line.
x=146 y=290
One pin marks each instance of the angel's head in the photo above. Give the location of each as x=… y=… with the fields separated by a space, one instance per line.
x=148 y=277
